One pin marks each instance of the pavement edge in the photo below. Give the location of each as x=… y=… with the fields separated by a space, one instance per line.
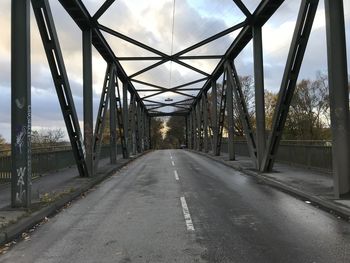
x=325 y=204
x=15 y=230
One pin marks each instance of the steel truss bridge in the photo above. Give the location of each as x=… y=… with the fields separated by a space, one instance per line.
x=130 y=119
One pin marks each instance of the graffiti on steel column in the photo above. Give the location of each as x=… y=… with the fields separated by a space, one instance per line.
x=20 y=183
x=20 y=103
x=20 y=137
x=29 y=144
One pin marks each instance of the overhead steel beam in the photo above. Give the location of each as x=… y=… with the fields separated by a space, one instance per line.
x=243 y=8
x=168 y=114
x=179 y=87
x=132 y=41
x=210 y=39
x=189 y=83
x=147 y=69
x=81 y=16
x=179 y=58
x=200 y=57
x=261 y=15
x=191 y=68
x=103 y=9
x=21 y=165
x=297 y=49
x=338 y=95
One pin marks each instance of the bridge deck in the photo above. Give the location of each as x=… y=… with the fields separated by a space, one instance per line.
x=141 y=215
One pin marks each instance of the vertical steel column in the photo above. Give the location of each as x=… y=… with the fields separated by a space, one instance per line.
x=142 y=110
x=214 y=117
x=186 y=131
x=339 y=95
x=189 y=130
x=126 y=117
x=108 y=83
x=229 y=107
x=20 y=104
x=113 y=121
x=195 y=134
x=205 y=122
x=133 y=124
x=138 y=128
x=146 y=130
x=259 y=94
x=199 y=126
x=88 y=100
x=150 y=132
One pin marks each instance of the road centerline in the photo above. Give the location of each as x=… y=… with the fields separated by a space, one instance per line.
x=187 y=216
x=176 y=176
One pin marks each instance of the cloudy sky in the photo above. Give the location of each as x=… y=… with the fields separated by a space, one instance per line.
x=150 y=22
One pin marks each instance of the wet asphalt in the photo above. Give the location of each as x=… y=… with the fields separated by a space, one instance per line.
x=137 y=216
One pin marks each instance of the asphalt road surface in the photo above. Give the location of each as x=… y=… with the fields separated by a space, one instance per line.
x=177 y=206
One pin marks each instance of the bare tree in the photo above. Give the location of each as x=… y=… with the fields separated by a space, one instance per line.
x=51 y=137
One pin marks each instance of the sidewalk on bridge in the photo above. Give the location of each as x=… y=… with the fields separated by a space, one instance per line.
x=50 y=193
x=314 y=187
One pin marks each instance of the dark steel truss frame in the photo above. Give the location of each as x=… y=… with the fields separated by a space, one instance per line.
x=203 y=122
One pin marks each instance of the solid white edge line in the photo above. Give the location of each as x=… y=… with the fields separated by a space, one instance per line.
x=176 y=176
x=187 y=215
x=172 y=162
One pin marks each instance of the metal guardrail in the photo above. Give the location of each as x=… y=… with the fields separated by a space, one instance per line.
x=314 y=155
x=44 y=160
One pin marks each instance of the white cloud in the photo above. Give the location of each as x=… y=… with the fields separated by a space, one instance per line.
x=150 y=22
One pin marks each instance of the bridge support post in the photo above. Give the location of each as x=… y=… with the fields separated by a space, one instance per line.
x=229 y=103
x=194 y=123
x=205 y=122
x=139 y=128
x=339 y=95
x=143 y=134
x=54 y=56
x=126 y=117
x=186 y=131
x=190 y=130
x=112 y=121
x=88 y=100
x=296 y=53
x=199 y=125
x=20 y=105
x=150 y=132
x=214 y=117
x=259 y=95
x=133 y=124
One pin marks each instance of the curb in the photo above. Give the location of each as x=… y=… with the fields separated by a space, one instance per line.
x=324 y=204
x=15 y=230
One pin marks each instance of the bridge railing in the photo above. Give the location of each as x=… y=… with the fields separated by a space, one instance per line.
x=44 y=160
x=315 y=155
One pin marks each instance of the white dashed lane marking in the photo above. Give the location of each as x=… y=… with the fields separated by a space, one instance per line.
x=187 y=215
x=176 y=176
